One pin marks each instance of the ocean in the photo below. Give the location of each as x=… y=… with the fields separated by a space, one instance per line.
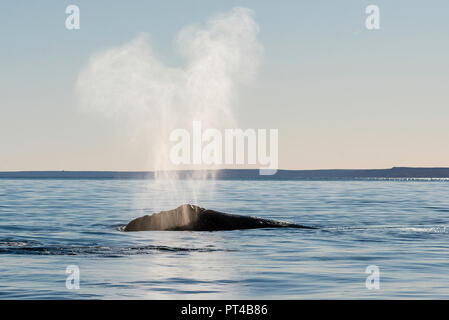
x=398 y=227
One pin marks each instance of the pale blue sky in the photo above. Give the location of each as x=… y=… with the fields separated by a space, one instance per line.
x=340 y=95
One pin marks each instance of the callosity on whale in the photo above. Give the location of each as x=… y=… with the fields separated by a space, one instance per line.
x=193 y=218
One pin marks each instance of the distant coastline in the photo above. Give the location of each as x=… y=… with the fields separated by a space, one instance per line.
x=242 y=174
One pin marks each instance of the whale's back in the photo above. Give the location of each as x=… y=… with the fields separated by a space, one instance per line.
x=193 y=218
x=182 y=218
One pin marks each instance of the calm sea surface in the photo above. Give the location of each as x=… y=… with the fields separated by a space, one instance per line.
x=399 y=226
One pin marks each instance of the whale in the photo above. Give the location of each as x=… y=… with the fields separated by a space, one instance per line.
x=189 y=217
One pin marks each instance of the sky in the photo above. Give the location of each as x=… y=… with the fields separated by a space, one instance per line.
x=340 y=95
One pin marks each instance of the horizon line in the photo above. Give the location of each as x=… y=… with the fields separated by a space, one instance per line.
x=240 y=174
x=223 y=169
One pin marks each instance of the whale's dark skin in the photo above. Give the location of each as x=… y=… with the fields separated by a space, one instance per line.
x=193 y=218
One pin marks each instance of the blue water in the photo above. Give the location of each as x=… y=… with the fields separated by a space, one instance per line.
x=399 y=226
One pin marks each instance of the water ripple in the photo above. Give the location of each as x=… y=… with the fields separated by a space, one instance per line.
x=22 y=247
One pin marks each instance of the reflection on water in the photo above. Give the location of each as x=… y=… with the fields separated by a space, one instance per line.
x=399 y=226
